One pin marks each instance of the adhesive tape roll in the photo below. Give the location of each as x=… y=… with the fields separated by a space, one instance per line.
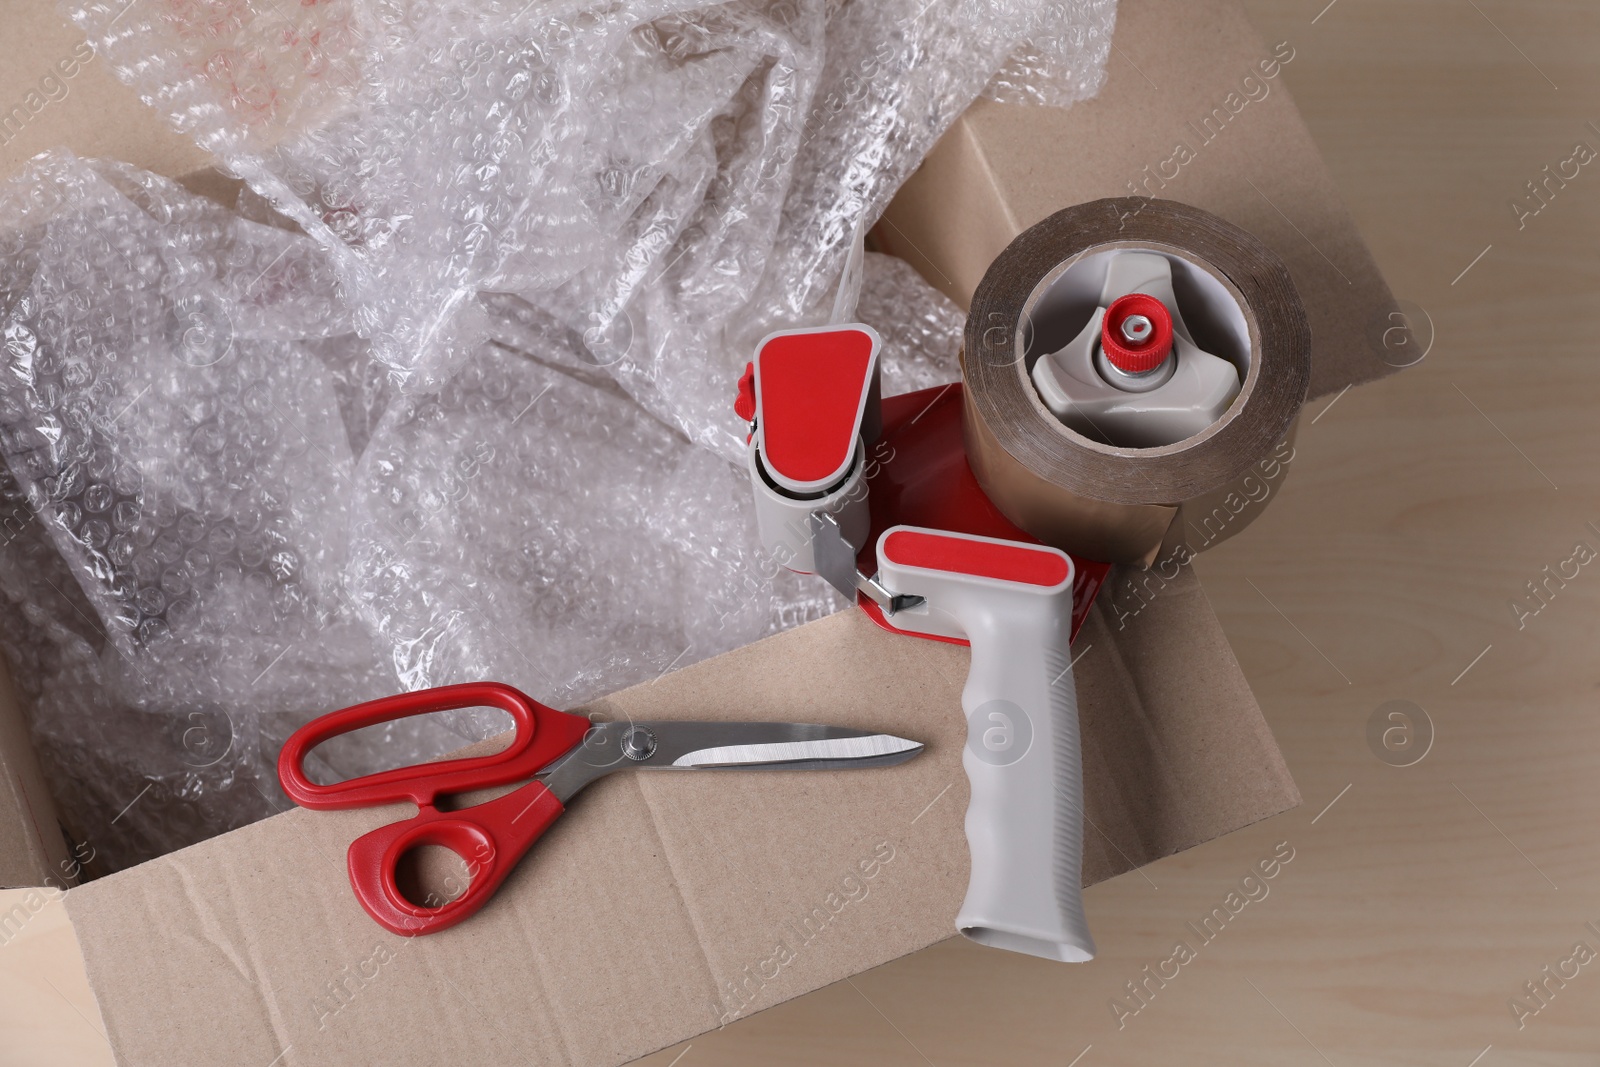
x=1095 y=499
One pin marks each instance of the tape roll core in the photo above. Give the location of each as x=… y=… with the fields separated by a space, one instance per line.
x=1095 y=499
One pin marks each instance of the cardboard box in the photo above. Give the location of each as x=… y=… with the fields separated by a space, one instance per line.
x=664 y=905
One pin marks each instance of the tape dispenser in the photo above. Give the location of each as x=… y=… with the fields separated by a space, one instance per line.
x=875 y=496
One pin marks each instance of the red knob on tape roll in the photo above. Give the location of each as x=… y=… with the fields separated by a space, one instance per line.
x=1136 y=333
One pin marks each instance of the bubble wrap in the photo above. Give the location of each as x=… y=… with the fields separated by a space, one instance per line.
x=921 y=328
x=195 y=562
x=177 y=472
x=628 y=549
x=431 y=403
x=669 y=180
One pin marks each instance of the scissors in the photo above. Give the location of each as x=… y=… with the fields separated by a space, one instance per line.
x=560 y=752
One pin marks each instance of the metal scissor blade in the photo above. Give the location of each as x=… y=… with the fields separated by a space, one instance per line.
x=827 y=753
x=681 y=746
x=785 y=745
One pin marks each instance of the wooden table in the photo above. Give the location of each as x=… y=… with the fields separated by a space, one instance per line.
x=1420 y=899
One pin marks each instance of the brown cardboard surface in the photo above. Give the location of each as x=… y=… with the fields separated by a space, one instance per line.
x=32 y=848
x=663 y=904
x=1003 y=167
x=54 y=91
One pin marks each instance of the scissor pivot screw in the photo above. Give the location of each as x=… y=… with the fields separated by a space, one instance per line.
x=638 y=743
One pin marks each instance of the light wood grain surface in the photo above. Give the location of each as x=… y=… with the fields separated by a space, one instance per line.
x=1419 y=900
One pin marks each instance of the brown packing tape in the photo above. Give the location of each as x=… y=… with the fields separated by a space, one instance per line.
x=1094 y=499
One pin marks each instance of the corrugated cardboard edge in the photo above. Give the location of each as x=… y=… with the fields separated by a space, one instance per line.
x=662 y=906
x=33 y=850
x=1003 y=167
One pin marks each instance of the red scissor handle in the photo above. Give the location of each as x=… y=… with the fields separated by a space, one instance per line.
x=489 y=837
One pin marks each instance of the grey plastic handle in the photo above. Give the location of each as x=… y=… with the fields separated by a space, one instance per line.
x=1025 y=819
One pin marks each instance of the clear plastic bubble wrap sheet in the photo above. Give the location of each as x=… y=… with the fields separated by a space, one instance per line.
x=669 y=180
x=447 y=395
x=177 y=483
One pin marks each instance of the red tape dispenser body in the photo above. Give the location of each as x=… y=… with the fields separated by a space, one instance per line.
x=877 y=497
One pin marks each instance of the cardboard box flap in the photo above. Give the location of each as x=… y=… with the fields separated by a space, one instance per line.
x=1189 y=112
x=663 y=905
